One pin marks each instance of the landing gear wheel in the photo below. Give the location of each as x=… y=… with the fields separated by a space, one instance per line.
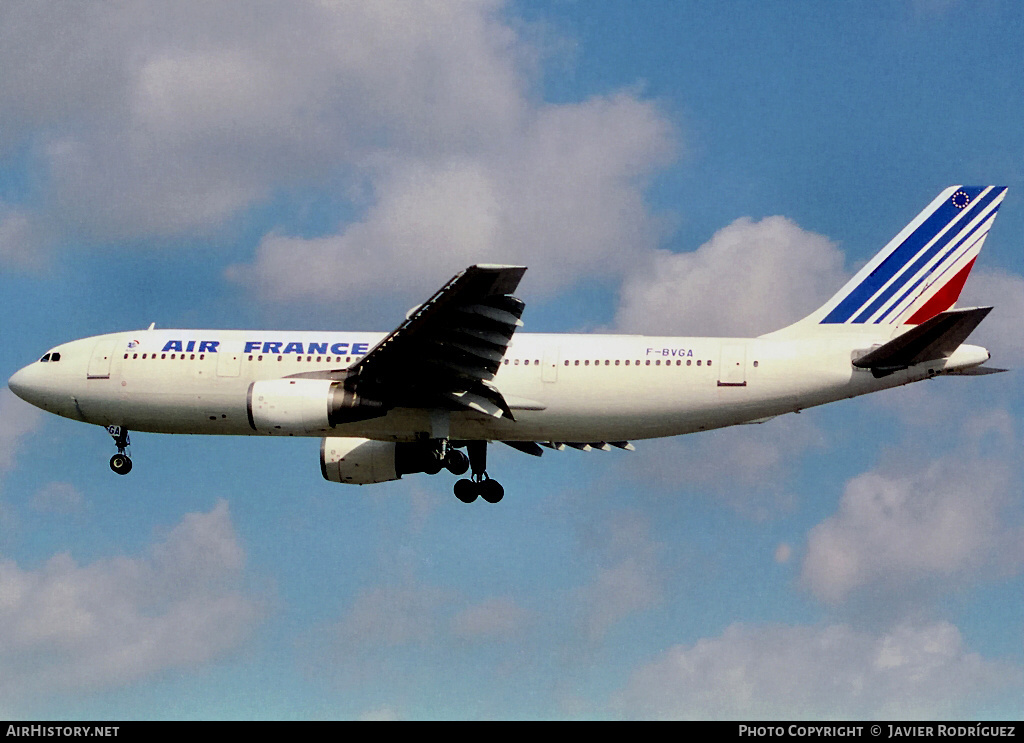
x=491 y=491
x=466 y=491
x=456 y=462
x=121 y=464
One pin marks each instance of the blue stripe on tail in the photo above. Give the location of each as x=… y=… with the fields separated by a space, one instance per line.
x=939 y=220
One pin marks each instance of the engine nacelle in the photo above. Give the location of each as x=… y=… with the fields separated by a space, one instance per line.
x=298 y=406
x=358 y=461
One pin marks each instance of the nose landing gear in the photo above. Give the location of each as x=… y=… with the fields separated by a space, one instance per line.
x=121 y=463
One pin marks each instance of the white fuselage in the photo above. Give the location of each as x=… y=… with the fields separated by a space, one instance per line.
x=584 y=388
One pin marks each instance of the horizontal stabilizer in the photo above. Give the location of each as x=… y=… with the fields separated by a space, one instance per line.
x=936 y=338
x=976 y=371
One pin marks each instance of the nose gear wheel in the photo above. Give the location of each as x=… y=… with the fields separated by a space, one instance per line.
x=121 y=463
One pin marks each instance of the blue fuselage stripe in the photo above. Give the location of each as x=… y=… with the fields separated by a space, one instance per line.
x=904 y=253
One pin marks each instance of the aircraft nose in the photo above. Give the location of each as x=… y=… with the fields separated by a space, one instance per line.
x=21 y=384
x=18 y=383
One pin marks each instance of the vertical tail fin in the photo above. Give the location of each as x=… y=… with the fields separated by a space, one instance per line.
x=921 y=271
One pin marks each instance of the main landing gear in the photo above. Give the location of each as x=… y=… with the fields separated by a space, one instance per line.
x=121 y=463
x=480 y=484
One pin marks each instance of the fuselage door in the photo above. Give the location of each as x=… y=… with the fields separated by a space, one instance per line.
x=549 y=369
x=732 y=366
x=228 y=363
x=99 y=364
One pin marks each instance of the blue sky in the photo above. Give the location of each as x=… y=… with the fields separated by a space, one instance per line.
x=662 y=167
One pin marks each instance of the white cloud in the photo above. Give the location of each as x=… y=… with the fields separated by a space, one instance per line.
x=914 y=671
x=19 y=420
x=747 y=467
x=59 y=498
x=21 y=242
x=1001 y=332
x=628 y=577
x=392 y=616
x=783 y=553
x=911 y=526
x=65 y=626
x=561 y=195
x=749 y=278
x=171 y=119
x=493 y=619
x=387 y=713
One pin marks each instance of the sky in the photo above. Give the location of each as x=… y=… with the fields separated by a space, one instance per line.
x=676 y=167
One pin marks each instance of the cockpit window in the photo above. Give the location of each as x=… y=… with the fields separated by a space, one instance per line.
x=45 y=358
x=55 y=356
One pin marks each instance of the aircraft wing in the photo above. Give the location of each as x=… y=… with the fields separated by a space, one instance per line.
x=936 y=338
x=449 y=348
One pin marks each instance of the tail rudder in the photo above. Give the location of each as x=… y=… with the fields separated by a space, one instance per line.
x=921 y=271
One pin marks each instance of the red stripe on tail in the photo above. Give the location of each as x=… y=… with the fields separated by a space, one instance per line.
x=943 y=299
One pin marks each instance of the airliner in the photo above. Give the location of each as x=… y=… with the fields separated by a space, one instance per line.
x=456 y=375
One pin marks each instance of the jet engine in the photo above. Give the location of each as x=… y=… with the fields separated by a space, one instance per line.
x=363 y=461
x=297 y=406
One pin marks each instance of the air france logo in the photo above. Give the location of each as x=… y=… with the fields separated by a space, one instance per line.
x=132 y=344
x=342 y=348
